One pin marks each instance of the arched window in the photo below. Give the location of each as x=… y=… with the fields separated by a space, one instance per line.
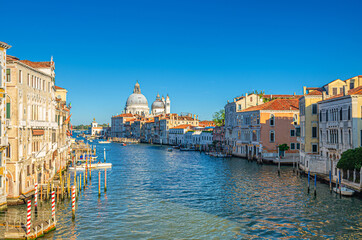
x=320 y=116
x=349 y=113
x=349 y=137
x=340 y=115
x=272 y=120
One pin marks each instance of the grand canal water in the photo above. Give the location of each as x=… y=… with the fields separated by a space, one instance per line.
x=156 y=194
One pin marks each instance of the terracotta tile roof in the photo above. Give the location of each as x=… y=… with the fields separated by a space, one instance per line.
x=125 y=115
x=56 y=87
x=281 y=96
x=11 y=58
x=37 y=64
x=183 y=126
x=206 y=123
x=276 y=104
x=315 y=91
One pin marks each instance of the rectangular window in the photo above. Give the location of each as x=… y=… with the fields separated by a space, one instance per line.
x=28 y=79
x=292 y=146
x=341 y=90
x=297 y=132
x=20 y=76
x=8 y=110
x=314 y=108
x=298 y=146
x=292 y=133
x=335 y=91
x=314 y=132
x=271 y=136
x=314 y=148
x=351 y=85
x=8 y=75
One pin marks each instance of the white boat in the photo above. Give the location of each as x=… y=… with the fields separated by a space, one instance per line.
x=169 y=149
x=78 y=168
x=344 y=191
x=104 y=142
x=92 y=166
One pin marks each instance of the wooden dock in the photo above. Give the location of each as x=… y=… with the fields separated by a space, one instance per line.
x=38 y=229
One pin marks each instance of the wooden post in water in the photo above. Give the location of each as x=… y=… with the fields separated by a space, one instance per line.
x=36 y=198
x=330 y=180
x=90 y=164
x=340 y=183
x=105 y=180
x=86 y=168
x=48 y=191
x=99 y=183
x=315 y=185
x=68 y=185
x=80 y=185
x=279 y=166
x=308 y=180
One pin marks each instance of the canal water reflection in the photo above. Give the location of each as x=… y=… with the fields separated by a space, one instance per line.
x=156 y=194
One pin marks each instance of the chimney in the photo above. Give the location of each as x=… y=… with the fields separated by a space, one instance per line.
x=294 y=94
x=323 y=95
x=344 y=90
x=304 y=90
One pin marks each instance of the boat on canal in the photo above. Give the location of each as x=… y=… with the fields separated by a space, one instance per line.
x=344 y=191
x=104 y=142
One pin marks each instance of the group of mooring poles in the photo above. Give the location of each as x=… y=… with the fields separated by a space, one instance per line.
x=83 y=178
x=315 y=183
x=29 y=212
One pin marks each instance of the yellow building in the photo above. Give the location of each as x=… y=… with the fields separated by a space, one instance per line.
x=3 y=137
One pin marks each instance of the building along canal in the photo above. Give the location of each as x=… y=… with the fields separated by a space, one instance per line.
x=156 y=194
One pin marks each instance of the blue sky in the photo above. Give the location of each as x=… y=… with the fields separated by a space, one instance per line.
x=201 y=53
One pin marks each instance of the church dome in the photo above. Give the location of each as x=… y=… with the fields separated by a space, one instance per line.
x=136 y=99
x=137 y=103
x=158 y=104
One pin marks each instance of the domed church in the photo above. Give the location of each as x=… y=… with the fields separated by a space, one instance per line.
x=137 y=104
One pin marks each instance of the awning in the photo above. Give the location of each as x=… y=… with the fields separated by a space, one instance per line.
x=38 y=132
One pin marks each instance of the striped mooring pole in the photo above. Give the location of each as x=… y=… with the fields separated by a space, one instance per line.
x=28 y=218
x=73 y=202
x=53 y=205
x=36 y=197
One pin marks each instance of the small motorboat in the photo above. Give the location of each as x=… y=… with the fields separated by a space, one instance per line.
x=169 y=149
x=344 y=191
x=123 y=144
x=104 y=142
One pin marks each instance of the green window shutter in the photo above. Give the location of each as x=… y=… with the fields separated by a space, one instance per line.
x=7 y=110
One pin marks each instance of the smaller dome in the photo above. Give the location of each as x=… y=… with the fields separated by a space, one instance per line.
x=158 y=104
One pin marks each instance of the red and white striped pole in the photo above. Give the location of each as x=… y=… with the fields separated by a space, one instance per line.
x=28 y=218
x=36 y=197
x=53 y=206
x=73 y=202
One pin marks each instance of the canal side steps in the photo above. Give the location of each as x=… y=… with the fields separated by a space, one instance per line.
x=39 y=229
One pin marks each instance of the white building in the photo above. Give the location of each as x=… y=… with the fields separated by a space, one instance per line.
x=3 y=137
x=340 y=126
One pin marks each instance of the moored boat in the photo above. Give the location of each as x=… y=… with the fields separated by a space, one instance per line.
x=344 y=191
